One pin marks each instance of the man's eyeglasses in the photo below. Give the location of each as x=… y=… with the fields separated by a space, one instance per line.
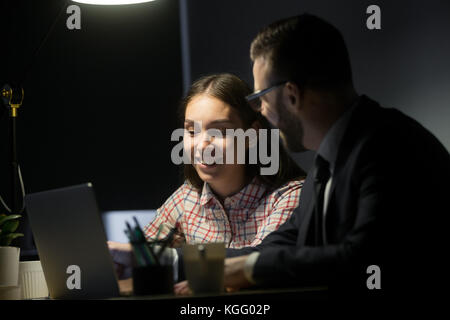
x=254 y=99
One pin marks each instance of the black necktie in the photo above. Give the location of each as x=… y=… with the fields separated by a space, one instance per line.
x=321 y=177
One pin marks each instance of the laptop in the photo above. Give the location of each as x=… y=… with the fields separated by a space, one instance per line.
x=71 y=243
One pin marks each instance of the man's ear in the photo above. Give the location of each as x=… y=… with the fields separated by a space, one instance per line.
x=292 y=95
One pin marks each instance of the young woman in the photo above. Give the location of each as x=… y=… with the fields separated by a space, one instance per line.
x=230 y=202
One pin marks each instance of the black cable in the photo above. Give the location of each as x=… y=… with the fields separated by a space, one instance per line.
x=30 y=65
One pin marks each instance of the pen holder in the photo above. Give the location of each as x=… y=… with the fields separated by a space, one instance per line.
x=150 y=280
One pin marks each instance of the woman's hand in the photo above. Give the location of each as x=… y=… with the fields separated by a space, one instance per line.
x=178 y=240
x=182 y=289
x=122 y=257
x=234 y=273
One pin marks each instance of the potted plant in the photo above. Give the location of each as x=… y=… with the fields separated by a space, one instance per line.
x=9 y=255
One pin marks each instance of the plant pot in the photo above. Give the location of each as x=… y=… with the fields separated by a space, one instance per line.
x=32 y=280
x=9 y=266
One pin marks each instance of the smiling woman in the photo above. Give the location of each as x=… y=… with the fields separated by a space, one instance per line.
x=227 y=203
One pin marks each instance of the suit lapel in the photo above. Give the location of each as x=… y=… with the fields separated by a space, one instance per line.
x=345 y=148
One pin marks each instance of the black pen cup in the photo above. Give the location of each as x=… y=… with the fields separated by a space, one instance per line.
x=153 y=280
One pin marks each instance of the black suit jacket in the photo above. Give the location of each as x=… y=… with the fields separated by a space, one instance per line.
x=388 y=200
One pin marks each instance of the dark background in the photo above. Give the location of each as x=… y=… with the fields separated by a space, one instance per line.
x=100 y=102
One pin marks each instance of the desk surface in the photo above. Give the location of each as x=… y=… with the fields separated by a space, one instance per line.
x=305 y=293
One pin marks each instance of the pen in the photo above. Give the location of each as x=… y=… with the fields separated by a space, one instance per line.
x=137 y=242
x=166 y=242
x=138 y=256
x=137 y=224
x=159 y=231
x=143 y=243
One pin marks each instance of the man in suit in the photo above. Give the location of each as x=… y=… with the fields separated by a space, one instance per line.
x=371 y=210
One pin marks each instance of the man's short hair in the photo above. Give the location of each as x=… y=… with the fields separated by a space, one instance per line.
x=306 y=50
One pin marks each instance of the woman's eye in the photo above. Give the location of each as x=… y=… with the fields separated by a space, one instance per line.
x=190 y=131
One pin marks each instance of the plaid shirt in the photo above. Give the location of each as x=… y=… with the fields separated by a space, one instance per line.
x=244 y=219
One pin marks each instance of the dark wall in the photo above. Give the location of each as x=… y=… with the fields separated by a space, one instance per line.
x=404 y=65
x=100 y=102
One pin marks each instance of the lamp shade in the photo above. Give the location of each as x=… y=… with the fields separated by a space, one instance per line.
x=111 y=2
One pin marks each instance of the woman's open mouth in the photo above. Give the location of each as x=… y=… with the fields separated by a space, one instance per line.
x=207 y=163
x=204 y=165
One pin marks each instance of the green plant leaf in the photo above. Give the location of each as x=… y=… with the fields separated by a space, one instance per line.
x=5 y=240
x=4 y=217
x=10 y=226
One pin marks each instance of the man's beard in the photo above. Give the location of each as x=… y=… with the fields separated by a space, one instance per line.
x=291 y=129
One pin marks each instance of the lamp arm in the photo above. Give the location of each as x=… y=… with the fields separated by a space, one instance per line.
x=13 y=98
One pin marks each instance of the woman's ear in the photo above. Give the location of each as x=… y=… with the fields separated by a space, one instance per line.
x=256 y=125
x=253 y=141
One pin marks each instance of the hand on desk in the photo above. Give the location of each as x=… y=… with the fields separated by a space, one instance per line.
x=234 y=273
x=182 y=289
x=122 y=257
